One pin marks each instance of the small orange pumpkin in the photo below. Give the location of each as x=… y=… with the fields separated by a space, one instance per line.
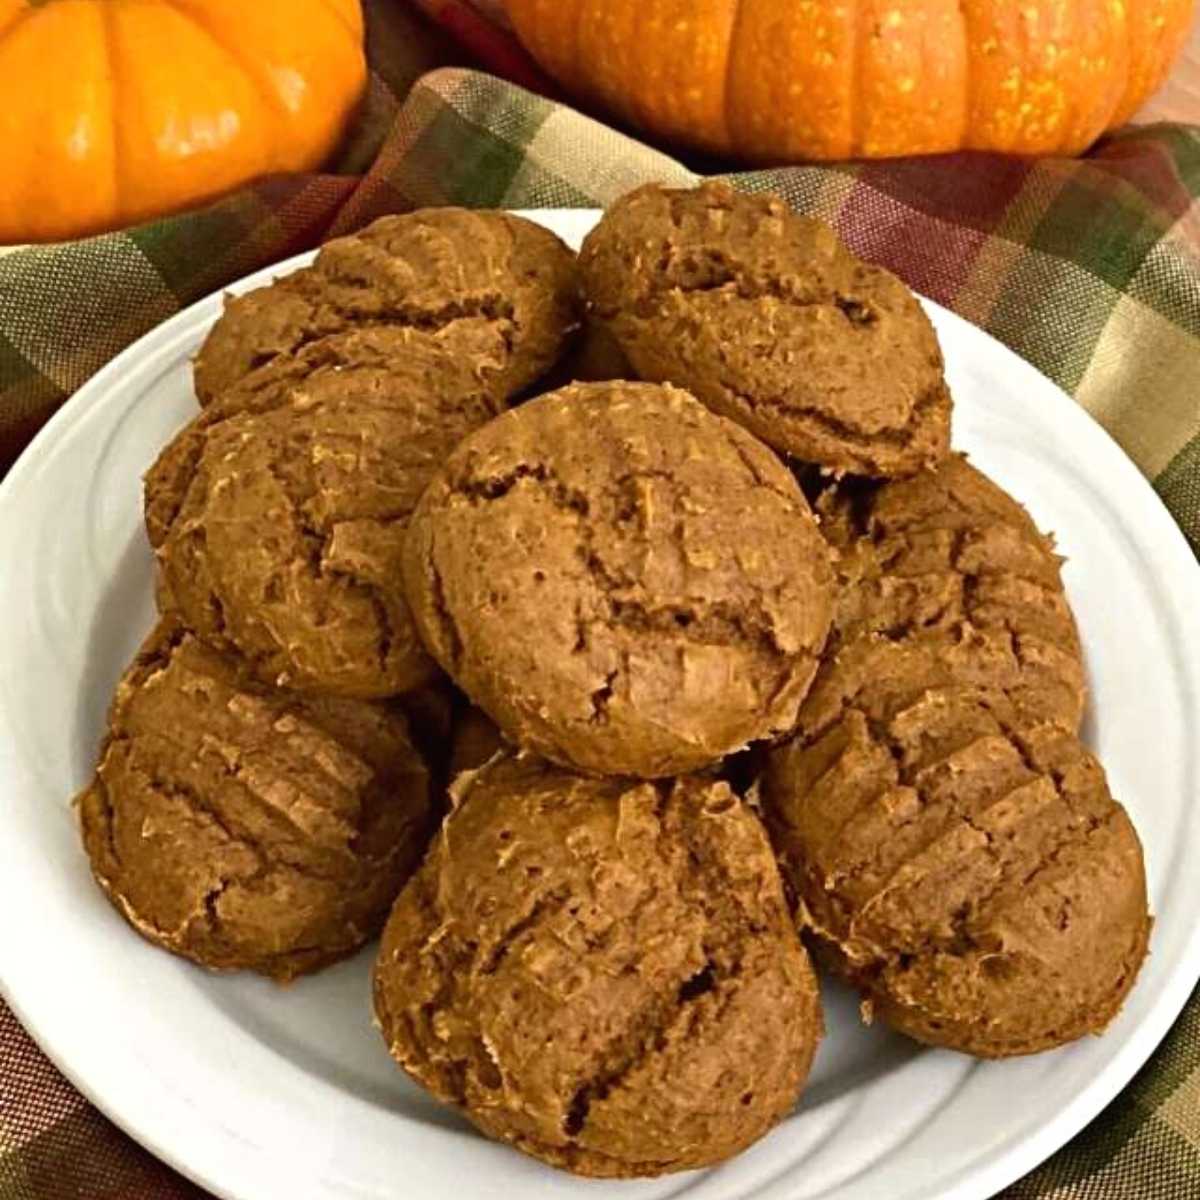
x=116 y=111
x=779 y=80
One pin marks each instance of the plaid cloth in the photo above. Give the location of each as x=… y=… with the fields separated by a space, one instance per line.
x=1090 y=269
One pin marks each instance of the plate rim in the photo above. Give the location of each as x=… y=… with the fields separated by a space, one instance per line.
x=987 y=1174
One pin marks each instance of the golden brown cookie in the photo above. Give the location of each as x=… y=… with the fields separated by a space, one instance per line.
x=487 y=287
x=947 y=552
x=244 y=827
x=769 y=320
x=602 y=973
x=964 y=866
x=621 y=580
x=279 y=514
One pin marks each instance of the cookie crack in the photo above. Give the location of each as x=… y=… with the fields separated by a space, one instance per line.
x=490 y=307
x=543 y=904
x=699 y=271
x=212 y=898
x=157 y=658
x=442 y=610
x=714 y=624
x=864 y=440
x=212 y=919
x=651 y=1040
x=314 y=285
x=713 y=892
x=331 y=319
x=755 y=468
x=496 y=487
x=383 y=620
x=600 y=698
x=315 y=543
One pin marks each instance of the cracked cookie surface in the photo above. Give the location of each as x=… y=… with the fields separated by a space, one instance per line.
x=947 y=553
x=953 y=846
x=248 y=828
x=601 y=972
x=623 y=581
x=769 y=320
x=487 y=287
x=963 y=864
x=278 y=515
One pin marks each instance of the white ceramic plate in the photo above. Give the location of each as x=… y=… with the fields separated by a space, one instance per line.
x=255 y=1091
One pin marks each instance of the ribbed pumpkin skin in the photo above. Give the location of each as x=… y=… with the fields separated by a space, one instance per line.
x=116 y=111
x=778 y=80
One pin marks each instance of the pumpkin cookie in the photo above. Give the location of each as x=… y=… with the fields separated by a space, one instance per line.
x=968 y=871
x=244 y=827
x=952 y=845
x=489 y=287
x=769 y=320
x=278 y=516
x=623 y=581
x=948 y=550
x=600 y=972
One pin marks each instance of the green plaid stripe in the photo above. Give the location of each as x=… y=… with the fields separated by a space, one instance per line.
x=1179 y=487
x=1090 y=269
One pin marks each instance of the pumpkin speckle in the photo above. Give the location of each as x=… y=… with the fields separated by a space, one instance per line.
x=720 y=76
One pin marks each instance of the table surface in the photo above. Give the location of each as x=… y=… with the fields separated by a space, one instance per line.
x=1179 y=98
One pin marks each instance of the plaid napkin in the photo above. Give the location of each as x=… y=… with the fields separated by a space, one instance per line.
x=1090 y=269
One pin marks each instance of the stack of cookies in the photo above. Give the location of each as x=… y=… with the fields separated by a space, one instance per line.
x=630 y=695
x=273 y=767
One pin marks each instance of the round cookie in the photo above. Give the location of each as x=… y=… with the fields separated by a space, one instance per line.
x=278 y=515
x=769 y=320
x=488 y=287
x=964 y=866
x=602 y=973
x=621 y=580
x=949 y=552
x=248 y=828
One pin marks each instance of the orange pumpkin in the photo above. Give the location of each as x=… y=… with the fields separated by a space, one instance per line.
x=116 y=111
x=778 y=80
